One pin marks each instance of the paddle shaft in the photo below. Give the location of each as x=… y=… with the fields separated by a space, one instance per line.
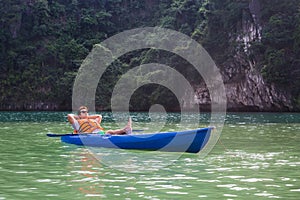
x=69 y=134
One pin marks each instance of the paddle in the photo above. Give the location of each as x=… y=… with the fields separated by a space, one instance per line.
x=59 y=135
x=137 y=130
x=69 y=134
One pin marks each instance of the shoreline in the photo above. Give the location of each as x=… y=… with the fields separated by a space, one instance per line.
x=143 y=111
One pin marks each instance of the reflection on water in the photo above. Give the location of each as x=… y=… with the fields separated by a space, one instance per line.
x=86 y=169
x=253 y=159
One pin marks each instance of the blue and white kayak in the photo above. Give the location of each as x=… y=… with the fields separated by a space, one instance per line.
x=191 y=141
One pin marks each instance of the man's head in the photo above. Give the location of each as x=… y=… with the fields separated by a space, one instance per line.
x=83 y=111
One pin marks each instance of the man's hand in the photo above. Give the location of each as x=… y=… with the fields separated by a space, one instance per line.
x=98 y=118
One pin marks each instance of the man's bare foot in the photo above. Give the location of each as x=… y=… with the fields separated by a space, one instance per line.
x=128 y=127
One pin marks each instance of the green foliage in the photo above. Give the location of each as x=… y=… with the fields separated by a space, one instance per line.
x=43 y=43
x=280 y=41
x=276 y=69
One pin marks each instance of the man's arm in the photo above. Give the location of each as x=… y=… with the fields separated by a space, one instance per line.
x=72 y=118
x=98 y=118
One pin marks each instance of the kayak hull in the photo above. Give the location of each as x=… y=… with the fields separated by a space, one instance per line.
x=191 y=141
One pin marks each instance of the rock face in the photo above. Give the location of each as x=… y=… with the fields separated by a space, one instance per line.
x=252 y=94
x=246 y=89
x=29 y=106
x=249 y=92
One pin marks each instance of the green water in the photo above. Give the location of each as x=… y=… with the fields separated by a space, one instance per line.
x=257 y=157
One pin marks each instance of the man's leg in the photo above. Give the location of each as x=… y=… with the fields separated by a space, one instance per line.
x=126 y=130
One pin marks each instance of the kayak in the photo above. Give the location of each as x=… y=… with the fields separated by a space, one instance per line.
x=191 y=141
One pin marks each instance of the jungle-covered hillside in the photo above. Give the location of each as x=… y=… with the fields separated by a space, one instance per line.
x=43 y=43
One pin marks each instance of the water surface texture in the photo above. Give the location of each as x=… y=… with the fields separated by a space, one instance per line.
x=257 y=157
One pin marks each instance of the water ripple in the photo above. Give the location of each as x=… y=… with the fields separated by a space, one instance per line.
x=260 y=161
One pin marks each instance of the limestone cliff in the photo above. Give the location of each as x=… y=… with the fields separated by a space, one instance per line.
x=246 y=89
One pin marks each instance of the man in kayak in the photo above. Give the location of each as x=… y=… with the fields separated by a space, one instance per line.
x=85 y=123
